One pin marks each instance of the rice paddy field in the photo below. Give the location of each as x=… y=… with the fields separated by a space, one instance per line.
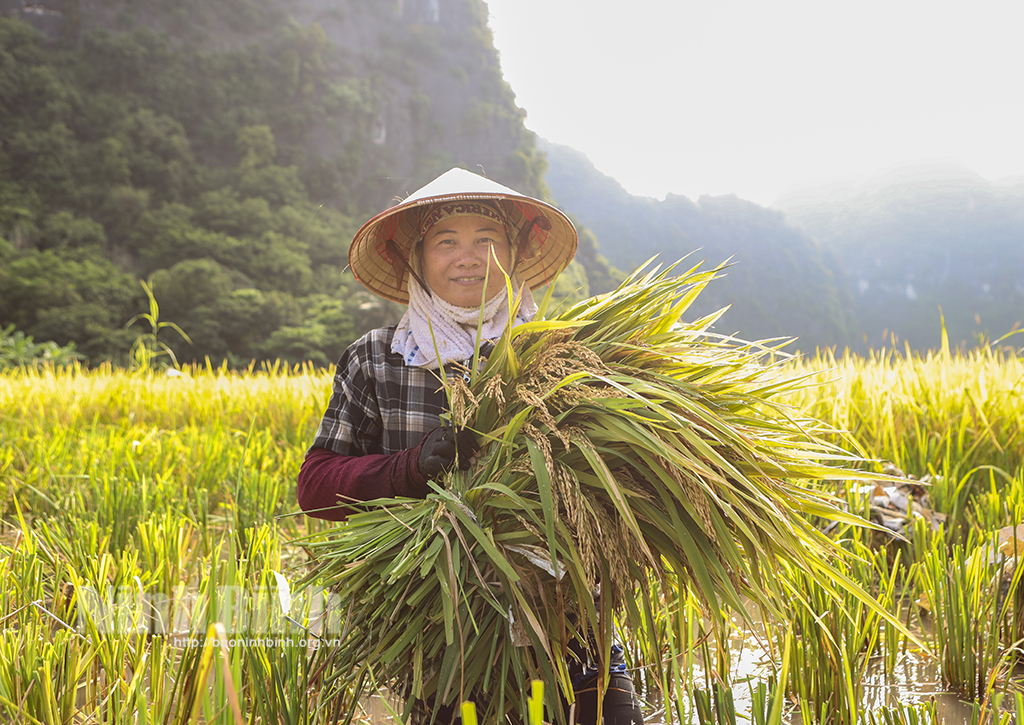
x=151 y=554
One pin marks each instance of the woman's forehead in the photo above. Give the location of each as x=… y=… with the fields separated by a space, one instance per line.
x=450 y=210
x=474 y=222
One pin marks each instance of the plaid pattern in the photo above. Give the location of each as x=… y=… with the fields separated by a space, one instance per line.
x=379 y=404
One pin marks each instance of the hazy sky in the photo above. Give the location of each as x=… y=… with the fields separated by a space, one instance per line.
x=745 y=97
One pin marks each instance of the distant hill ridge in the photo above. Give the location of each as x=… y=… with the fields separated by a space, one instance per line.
x=852 y=264
x=919 y=238
x=781 y=282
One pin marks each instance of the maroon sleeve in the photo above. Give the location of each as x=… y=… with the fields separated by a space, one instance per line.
x=327 y=480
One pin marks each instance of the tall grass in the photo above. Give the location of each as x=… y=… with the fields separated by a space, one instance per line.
x=134 y=503
x=958 y=417
x=838 y=639
x=125 y=486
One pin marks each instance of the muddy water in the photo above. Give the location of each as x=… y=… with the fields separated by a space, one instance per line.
x=914 y=679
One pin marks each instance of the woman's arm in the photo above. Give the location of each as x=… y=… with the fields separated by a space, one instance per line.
x=376 y=438
x=327 y=480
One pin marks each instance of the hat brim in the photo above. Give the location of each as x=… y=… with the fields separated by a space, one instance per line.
x=551 y=244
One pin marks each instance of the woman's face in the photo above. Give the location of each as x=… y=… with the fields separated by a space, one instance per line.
x=456 y=254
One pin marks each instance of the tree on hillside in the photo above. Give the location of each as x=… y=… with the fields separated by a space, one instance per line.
x=224 y=152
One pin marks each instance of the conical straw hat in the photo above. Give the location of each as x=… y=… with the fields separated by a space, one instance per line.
x=543 y=239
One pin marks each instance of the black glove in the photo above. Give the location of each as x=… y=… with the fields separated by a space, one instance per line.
x=440 y=447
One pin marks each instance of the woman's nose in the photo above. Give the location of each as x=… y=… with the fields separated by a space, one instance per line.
x=470 y=257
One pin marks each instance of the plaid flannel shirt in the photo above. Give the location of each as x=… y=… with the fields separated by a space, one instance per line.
x=379 y=404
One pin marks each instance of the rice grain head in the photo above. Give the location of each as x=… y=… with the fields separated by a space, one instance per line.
x=695 y=495
x=462 y=402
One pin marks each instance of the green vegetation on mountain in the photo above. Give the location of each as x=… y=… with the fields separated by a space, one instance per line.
x=226 y=152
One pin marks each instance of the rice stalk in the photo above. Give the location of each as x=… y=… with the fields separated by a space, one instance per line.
x=838 y=638
x=929 y=412
x=960 y=591
x=619 y=442
x=919 y=713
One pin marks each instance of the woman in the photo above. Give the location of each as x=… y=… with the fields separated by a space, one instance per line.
x=445 y=252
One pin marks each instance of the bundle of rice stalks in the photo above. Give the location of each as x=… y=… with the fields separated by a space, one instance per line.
x=617 y=441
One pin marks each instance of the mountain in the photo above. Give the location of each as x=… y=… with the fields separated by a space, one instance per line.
x=381 y=94
x=226 y=152
x=781 y=282
x=919 y=239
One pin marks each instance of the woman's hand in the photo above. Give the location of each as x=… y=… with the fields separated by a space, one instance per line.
x=440 y=448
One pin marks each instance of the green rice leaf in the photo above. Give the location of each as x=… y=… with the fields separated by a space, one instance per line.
x=620 y=444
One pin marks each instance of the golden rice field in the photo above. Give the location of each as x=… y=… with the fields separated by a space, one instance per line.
x=142 y=510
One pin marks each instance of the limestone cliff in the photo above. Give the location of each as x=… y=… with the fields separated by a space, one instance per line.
x=415 y=85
